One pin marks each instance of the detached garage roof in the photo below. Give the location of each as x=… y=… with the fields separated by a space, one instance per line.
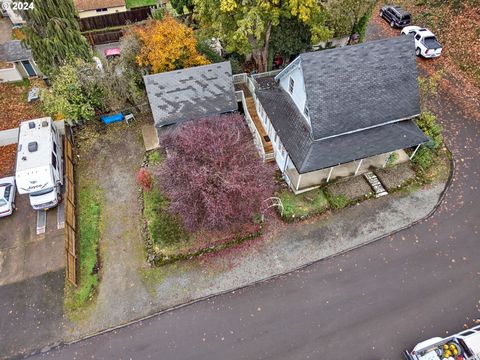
x=13 y=51
x=85 y=5
x=191 y=93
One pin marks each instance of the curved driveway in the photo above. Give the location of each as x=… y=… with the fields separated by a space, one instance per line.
x=370 y=303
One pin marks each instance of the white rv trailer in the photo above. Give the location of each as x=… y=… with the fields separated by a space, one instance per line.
x=39 y=169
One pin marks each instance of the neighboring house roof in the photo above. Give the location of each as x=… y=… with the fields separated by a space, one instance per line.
x=360 y=86
x=191 y=93
x=360 y=98
x=85 y=5
x=14 y=50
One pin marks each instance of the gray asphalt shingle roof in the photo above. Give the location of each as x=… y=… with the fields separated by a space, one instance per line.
x=310 y=155
x=191 y=93
x=13 y=50
x=360 y=86
x=361 y=99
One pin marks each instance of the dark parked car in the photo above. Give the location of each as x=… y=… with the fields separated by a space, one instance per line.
x=395 y=16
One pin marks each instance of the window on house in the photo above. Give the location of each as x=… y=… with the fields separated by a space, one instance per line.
x=291 y=85
x=101 y=10
x=54 y=161
x=305 y=111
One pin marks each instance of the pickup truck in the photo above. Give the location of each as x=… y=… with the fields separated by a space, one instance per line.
x=462 y=346
x=426 y=44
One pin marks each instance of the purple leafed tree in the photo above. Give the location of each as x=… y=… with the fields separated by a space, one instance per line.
x=213 y=175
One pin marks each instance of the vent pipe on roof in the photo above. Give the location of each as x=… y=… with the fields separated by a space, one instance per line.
x=32 y=146
x=44 y=123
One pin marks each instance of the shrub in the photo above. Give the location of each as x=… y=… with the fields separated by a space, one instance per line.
x=423 y=158
x=144 y=179
x=213 y=175
x=427 y=122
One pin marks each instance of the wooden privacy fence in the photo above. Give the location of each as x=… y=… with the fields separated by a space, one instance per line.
x=115 y=19
x=104 y=37
x=69 y=203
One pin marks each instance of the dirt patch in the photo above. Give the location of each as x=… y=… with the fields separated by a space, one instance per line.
x=7 y=160
x=110 y=156
x=14 y=105
x=352 y=189
x=395 y=177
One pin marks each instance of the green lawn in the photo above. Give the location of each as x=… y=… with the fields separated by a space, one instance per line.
x=163 y=226
x=303 y=205
x=89 y=216
x=138 y=3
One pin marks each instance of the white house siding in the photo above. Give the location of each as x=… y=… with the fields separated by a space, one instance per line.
x=92 y=13
x=299 y=94
x=9 y=75
x=302 y=182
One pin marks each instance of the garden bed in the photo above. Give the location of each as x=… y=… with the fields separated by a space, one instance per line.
x=347 y=191
x=166 y=239
x=393 y=178
x=302 y=206
x=7 y=160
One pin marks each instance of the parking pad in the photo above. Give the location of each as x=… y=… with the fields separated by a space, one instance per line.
x=23 y=252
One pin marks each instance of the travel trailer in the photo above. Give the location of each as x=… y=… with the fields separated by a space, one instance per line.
x=39 y=169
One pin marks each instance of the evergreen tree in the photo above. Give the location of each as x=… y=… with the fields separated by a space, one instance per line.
x=53 y=34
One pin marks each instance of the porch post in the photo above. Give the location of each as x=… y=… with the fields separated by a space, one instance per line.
x=358 y=167
x=411 y=156
x=330 y=174
x=285 y=166
x=298 y=182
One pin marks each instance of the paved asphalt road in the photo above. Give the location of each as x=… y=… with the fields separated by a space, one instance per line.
x=371 y=303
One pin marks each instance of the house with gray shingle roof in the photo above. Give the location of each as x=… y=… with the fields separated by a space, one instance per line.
x=190 y=93
x=16 y=62
x=338 y=112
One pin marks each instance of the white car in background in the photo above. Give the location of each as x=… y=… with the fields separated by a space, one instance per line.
x=426 y=44
x=7 y=196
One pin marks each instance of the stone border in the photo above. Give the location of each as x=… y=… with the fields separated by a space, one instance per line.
x=58 y=345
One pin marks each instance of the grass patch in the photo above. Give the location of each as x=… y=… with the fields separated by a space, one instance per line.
x=89 y=216
x=164 y=227
x=337 y=201
x=154 y=157
x=303 y=205
x=138 y=3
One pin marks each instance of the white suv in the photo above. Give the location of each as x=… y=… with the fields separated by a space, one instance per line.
x=426 y=43
x=7 y=196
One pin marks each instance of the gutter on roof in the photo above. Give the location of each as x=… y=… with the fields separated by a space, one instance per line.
x=368 y=127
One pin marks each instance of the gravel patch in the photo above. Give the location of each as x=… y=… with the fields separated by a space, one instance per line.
x=395 y=177
x=353 y=188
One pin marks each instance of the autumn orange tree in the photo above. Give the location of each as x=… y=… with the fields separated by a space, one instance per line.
x=168 y=45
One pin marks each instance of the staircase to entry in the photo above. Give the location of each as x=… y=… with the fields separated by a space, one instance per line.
x=375 y=184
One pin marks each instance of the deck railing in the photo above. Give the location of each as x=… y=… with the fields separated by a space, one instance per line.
x=257 y=140
x=240 y=78
x=266 y=74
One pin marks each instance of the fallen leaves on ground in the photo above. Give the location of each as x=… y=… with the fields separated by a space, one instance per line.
x=7 y=160
x=15 y=107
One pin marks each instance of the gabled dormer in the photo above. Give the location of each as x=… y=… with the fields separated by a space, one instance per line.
x=291 y=79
